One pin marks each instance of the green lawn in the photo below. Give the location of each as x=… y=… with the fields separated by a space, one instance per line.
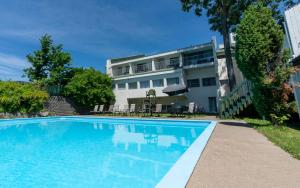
x=288 y=138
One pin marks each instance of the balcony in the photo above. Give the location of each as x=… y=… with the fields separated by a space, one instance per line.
x=140 y=68
x=121 y=71
x=167 y=64
x=198 y=58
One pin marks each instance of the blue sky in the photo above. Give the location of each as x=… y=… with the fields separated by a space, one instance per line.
x=95 y=30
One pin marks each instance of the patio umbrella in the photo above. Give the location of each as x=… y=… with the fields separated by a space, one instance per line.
x=175 y=89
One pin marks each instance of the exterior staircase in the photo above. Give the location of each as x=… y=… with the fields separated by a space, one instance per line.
x=237 y=100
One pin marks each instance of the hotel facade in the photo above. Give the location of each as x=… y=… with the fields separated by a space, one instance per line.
x=199 y=70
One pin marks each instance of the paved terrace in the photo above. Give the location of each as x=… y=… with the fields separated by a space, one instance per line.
x=238 y=156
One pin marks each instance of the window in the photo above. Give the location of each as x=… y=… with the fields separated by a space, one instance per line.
x=198 y=57
x=158 y=83
x=113 y=86
x=144 y=84
x=172 y=81
x=193 y=83
x=174 y=62
x=209 y=81
x=132 y=85
x=212 y=102
x=121 y=86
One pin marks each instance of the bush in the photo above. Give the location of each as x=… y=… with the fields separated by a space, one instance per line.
x=23 y=98
x=262 y=60
x=89 y=87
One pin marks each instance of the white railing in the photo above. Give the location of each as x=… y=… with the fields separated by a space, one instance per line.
x=147 y=67
x=120 y=71
x=166 y=64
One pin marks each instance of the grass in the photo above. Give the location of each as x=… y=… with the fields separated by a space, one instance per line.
x=286 y=137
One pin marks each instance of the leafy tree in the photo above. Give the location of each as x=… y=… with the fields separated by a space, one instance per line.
x=224 y=15
x=49 y=65
x=261 y=59
x=89 y=87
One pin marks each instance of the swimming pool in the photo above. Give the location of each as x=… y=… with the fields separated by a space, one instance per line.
x=100 y=152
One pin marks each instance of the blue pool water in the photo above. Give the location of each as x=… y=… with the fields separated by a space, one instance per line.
x=91 y=152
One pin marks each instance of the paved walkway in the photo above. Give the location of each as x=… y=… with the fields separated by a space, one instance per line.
x=239 y=156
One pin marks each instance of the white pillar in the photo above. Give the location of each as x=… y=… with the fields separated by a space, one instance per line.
x=130 y=68
x=153 y=65
x=180 y=60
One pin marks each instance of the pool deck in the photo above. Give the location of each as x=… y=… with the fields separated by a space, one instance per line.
x=238 y=156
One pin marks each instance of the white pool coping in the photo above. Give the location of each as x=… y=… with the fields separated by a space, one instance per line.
x=179 y=174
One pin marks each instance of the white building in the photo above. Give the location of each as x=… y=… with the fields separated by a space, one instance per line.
x=292 y=27
x=196 y=68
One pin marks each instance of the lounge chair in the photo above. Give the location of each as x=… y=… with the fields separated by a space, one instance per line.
x=143 y=110
x=110 y=109
x=125 y=109
x=96 y=108
x=132 y=109
x=158 y=109
x=191 y=109
x=116 y=109
x=101 y=109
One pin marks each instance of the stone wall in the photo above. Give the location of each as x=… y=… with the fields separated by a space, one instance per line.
x=59 y=105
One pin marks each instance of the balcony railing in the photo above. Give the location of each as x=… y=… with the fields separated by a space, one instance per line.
x=166 y=64
x=197 y=61
x=147 y=67
x=121 y=71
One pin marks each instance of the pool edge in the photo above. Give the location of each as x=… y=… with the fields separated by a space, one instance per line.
x=181 y=171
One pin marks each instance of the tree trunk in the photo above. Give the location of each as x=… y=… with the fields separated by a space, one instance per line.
x=228 y=55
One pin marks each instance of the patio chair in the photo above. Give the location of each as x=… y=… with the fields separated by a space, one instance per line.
x=132 y=109
x=110 y=109
x=116 y=109
x=126 y=108
x=96 y=108
x=158 y=109
x=191 y=109
x=101 y=109
x=143 y=110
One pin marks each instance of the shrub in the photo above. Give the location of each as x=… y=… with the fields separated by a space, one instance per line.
x=18 y=97
x=89 y=87
x=262 y=60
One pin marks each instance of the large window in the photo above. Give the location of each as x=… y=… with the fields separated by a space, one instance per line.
x=174 y=62
x=158 y=83
x=132 y=85
x=172 y=81
x=198 y=57
x=209 y=81
x=193 y=83
x=121 y=86
x=144 y=84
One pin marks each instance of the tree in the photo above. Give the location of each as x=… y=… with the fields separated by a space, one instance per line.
x=49 y=65
x=223 y=16
x=89 y=87
x=262 y=60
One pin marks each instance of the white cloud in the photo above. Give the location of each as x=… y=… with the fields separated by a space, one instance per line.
x=11 y=67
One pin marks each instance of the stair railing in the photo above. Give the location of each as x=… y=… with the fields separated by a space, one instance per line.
x=240 y=95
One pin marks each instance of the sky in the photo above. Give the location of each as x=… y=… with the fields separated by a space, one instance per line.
x=95 y=30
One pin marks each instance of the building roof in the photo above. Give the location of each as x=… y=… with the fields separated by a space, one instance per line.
x=117 y=60
x=141 y=57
